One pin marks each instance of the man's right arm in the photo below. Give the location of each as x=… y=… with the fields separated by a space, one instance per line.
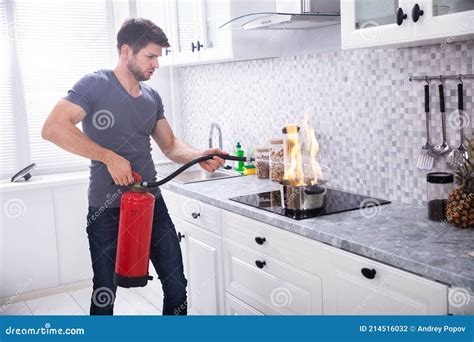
x=60 y=128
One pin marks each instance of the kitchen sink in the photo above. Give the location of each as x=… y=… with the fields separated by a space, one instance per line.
x=192 y=175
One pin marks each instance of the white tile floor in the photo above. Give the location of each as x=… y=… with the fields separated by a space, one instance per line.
x=137 y=301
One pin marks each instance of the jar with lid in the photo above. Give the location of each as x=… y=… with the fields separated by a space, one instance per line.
x=440 y=184
x=277 y=168
x=262 y=155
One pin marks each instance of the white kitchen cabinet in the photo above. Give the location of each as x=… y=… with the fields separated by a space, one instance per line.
x=268 y=285
x=70 y=216
x=201 y=214
x=160 y=13
x=270 y=271
x=28 y=253
x=195 y=30
x=235 y=307
x=286 y=247
x=353 y=285
x=195 y=36
x=445 y=21
x=368 y=23
x=202 y=259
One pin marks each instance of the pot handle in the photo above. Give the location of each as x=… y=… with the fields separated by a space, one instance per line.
x=316 y=190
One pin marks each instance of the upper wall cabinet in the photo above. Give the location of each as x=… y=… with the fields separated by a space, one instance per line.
x=398 y=23
x=195 y=37
x=160 y=13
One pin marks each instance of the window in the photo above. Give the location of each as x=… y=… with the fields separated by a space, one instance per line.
x=8 y=150
x=51 y=44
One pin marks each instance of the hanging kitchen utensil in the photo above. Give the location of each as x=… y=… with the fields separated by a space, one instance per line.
x=442 y=148
x=457 y=156
x=425 y=159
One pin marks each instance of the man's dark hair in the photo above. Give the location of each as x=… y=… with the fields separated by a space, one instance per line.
x=138 y=33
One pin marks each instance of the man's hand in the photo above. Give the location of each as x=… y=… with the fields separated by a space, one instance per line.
x=213 y=164
x=119 y=168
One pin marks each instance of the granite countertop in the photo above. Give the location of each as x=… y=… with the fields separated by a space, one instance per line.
x=399 y=235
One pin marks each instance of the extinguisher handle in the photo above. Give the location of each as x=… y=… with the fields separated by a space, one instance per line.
x=136 y=178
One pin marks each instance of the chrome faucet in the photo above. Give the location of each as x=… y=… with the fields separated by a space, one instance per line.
x=219 y=131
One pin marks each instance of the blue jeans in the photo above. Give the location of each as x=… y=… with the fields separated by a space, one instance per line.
x=165 y=254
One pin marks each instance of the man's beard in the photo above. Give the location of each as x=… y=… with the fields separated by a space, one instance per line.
x=136 y=72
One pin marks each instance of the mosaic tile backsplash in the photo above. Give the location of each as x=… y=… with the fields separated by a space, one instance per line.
x=369 y=119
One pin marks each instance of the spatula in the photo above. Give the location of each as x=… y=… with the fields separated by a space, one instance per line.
x=425 y=160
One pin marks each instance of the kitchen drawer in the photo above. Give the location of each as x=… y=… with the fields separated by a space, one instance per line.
x=274 y=289
x=201 y=214
x=290 y=248
x=234 y=307
x=388 y=291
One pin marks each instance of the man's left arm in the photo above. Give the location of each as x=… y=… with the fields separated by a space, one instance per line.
x=180 y=152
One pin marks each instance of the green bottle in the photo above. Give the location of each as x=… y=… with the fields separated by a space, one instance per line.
x=239 y=153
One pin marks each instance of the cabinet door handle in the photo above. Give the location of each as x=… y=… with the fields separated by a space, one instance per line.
x=416 y=13
x=198 y=46
x=401 y=16
x=260 y=240
x=260 y=263
x=180 y=236
x=195 y=215
x=369 y=273
x=167 y=52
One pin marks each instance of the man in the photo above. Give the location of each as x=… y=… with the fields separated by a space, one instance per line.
x=119 y=114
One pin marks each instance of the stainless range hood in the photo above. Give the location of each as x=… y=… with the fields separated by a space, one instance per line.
x=294 y=15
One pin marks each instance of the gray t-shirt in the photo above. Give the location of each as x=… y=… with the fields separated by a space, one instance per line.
x=120 y=122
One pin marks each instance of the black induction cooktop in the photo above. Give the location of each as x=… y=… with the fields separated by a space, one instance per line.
x=337 y=201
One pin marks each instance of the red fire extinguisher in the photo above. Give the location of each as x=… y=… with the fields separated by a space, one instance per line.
x=134 y=236
x=135 y=226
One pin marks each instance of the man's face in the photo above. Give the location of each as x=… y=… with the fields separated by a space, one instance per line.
x=143 y=64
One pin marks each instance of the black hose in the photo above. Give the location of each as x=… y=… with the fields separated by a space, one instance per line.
x=191 y=163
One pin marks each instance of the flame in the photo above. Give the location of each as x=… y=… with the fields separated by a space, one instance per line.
x=294 y=164
x=312 y=149
x=301 y=156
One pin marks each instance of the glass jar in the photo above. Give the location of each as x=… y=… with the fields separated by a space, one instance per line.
x=262 y=155
x=277 y=168
x=440 y=184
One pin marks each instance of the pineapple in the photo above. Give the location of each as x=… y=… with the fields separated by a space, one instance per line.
x=460 y=204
